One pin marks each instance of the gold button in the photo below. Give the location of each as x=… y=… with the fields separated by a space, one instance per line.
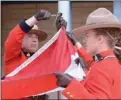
x=71 y=96
x=68 y=92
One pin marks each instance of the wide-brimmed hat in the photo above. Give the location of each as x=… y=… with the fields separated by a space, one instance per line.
x=42 y=35
x=100 y=18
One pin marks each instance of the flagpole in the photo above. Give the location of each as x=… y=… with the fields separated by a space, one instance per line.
x=66 y=9
x=117 y=8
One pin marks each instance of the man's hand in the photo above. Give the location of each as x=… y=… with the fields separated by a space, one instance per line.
x=3 y=77
x=63 y=80
x=60 y=21
x=42 y=15
x=71 y=37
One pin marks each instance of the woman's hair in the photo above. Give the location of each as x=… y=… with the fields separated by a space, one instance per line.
x=112 y=35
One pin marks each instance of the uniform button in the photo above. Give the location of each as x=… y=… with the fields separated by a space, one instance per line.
x=71 y=96
x=68 y=92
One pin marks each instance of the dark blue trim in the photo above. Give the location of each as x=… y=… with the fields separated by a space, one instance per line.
x=26 y=28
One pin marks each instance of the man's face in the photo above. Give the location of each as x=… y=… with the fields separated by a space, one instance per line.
x=91 y=42
x=30 y=43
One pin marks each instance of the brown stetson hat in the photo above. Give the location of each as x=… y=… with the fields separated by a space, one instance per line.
x=42 y=35
x=100 y=18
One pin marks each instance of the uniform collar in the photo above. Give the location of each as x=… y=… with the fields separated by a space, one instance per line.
x=106 y=53
x=27 y=54
x=100 y=56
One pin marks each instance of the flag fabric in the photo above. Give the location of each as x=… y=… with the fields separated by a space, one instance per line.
x=29 y=78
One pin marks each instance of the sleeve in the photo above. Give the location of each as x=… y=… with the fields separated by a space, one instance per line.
x=82 y=53
x=14 y=41
x=97 y=87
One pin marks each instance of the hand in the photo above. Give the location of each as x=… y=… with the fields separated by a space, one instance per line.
x=71 y=37
x=3 y=77
x=81 y=62
x=60 y=21
x=63 y=80
x=42 y=15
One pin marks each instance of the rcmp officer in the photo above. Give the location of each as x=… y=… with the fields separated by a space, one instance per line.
x=23 y=42
x=103 y=80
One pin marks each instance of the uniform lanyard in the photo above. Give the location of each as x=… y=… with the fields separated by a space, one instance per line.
x=109 y=57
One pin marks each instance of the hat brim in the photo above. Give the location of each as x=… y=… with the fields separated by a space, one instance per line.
x=80 y=30
x=42 y=35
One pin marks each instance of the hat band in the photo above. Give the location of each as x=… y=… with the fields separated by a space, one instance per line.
x=94 y=23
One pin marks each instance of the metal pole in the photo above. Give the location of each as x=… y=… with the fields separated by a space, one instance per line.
x=65 y=8
x=117 y=8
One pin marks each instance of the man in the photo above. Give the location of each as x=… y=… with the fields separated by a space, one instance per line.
x=23 y=42
x=103 y=80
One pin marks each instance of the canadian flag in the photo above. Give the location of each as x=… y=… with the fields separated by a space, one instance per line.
x=35 y=76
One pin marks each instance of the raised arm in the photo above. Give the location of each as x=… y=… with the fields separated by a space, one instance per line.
x=13 y=43
x=81 y=51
